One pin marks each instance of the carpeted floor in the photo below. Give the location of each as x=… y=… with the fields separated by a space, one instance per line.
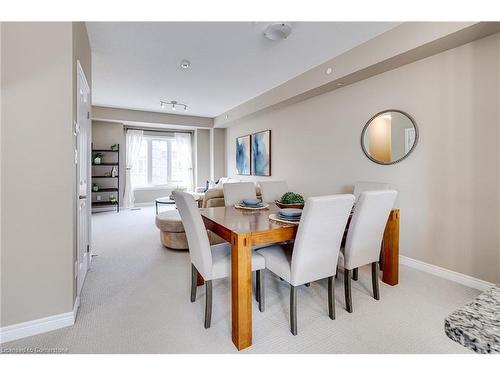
x=136 y=300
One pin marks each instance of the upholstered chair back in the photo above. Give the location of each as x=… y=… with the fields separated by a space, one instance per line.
x=361 y=186
x=199 y=245
x=319 y=236
x=367 y=226
x=272 y=190
x=236 y=191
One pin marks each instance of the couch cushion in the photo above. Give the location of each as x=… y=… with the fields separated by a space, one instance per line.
x=169 y=221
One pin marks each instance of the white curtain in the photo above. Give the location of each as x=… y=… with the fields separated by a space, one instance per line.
x=182 y=165
x=133 y=143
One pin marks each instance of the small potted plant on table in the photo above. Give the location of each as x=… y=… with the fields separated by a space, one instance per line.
x=291 y=200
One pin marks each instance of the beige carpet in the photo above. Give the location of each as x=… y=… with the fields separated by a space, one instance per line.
x=136 y=300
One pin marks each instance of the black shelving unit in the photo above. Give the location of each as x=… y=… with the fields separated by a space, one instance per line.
x=97 y=174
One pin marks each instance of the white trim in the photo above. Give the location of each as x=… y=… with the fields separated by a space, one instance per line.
x=76 y=306
x=37 y=326
x=446 y=274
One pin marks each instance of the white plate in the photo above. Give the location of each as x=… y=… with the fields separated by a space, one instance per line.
x=264 y=206
x=274 y=217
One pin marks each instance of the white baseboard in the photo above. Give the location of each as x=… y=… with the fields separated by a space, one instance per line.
x=446 y=274
x=37 y=326
x=75 y=307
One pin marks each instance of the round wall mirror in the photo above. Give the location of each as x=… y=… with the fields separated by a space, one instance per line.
x=389 y=137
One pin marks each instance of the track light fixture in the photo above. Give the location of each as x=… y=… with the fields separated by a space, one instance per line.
x=174 y=105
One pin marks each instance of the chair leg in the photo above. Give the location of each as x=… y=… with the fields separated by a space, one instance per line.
x=260 y=287
x=257 y=286
x=293 y=310
x=194 y=282
x=347 y=290
x=208 y=303
x=355 y=274
x=375 y=271
x=331 y=297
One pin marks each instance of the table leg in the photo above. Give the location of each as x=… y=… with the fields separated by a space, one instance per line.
x=390 y=250
x=241 y=290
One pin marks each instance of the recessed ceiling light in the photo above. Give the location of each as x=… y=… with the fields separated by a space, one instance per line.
x=329 y=71
x=185 y=64
x=278 y=31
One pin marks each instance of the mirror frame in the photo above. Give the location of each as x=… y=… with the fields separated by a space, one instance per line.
x=374 y=117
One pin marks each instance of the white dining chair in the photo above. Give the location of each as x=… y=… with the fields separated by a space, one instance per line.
x=272 y=190
x=211 y=262
x=364 y=237
x=362 y=186
x=236 y=191
x=315 y=251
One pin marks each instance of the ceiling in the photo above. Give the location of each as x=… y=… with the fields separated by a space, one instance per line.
x=135 y=64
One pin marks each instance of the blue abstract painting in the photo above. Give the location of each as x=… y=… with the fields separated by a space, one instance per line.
x=243 y=155
x=261 y=153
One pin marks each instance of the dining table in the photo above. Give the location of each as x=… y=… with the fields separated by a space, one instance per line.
x=245 y=228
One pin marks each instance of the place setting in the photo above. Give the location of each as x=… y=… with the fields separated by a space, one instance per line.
x=251 y=204
x=287 y=216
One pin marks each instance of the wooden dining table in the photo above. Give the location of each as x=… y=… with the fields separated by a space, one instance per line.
x=246 y=228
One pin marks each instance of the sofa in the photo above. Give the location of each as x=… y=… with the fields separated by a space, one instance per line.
x=214 y=195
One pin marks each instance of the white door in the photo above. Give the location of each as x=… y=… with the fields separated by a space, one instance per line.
x=83 y=167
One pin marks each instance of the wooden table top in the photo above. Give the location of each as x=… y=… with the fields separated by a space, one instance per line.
x=243 y=221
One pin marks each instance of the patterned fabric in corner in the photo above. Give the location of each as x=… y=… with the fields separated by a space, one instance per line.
x=477 y=325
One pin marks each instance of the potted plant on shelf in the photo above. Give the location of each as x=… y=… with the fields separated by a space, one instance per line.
x=98 y=158
x=291 y=200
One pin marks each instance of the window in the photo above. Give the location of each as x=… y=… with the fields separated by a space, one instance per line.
x=160 y=169
x=163 y=161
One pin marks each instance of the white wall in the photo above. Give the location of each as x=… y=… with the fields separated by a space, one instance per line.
x=38 y=171
x=203 y=156
x=448 y=188
x=219 y=153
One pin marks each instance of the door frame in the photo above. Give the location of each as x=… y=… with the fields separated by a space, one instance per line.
x=82 y=79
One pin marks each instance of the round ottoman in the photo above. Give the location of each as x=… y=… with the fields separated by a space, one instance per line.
x=171 y=230
x=172 y=233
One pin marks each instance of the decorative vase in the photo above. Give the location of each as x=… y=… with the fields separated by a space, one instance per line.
x=114 y=147
x=95 y=187
x=97 y=160
x=114 y=172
